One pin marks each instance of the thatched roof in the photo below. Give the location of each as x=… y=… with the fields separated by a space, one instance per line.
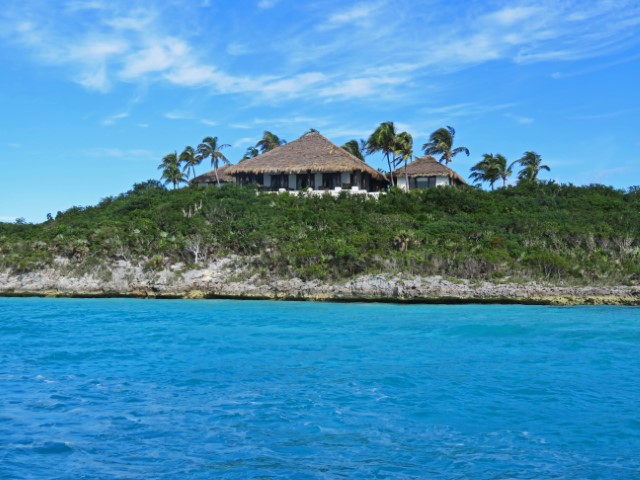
x=210 y=176
x=311 y=153
x=428 y=167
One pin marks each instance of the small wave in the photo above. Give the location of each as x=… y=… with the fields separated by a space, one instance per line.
x=53 y=448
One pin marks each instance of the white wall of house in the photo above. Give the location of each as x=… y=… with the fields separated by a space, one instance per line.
x=427 y=182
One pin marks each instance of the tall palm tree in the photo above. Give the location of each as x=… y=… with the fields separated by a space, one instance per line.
x=210 y=148
x=403 y=152
x=190 y=158
x=269 y=141
x=492 y=168
x=531 y=164
x=441 y=143
x=171 y=172
x=504 y=170
x=384 y=139
x=251 y=152
x=356 y=148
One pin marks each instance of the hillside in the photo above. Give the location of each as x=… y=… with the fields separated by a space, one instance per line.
x=561 y=234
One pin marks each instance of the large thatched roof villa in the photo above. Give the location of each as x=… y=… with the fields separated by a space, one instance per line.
x=427 y=172
x=209 y=178
x=310 y=162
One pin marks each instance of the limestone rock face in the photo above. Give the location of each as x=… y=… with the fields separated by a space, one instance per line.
x=225 y=279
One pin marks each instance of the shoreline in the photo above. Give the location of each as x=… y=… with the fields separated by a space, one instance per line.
x=558 y=301
x=223 y=280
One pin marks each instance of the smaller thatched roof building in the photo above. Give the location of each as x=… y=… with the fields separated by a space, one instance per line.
x=209 y=178
x=426 y=172
x=311 y=161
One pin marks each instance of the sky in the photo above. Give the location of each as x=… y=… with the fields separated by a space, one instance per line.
x=93 y=93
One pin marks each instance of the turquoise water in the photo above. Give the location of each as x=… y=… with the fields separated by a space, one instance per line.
x=227 y=389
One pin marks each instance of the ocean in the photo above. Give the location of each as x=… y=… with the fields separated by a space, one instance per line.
x=167 y=389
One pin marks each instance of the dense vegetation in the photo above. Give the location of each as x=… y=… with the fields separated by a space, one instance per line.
x=531 y=231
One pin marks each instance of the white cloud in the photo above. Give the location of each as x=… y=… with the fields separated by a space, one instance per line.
x=265 y=4
x=241 y=142
x=522 y=120
x=359 y=15
x=114 y=118
x=178 y=116
x=511 y=15
x=158 y=57
x=389 y=47
x=209 y=123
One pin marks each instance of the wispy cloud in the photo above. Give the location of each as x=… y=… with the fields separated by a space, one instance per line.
x=357 y=15
x=241 y=142
x=465 y=109
x=521 y=119
x=330 y=61
x=178 y=116
x=266 y=4
x=114 y=118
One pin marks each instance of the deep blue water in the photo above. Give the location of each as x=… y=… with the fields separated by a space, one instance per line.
x=227 y=389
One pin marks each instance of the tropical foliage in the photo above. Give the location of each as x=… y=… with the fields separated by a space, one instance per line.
x=171 y=172
x=190 y=159
x=542 y=231
x=251 y=152
x=531 y=164
x=441 y=143
x=491 y=169
x=395 y=146
x=210 y=148
x=269 y=141
x=356 y=148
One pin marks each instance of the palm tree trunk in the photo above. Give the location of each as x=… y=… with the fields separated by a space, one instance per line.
x=215 y=169
x=406 y=175
x=390 y=171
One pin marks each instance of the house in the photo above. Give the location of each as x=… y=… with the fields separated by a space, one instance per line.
x=209 y=178
x=426 y=172
x=310 y=162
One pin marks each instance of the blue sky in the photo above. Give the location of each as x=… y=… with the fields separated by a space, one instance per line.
x=93 y=93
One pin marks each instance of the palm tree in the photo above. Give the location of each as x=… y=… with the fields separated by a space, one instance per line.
x=384 y=139
x=171 y=172
x=209 y=148
x=403 y=152
x=269 y=141
x=492 y=168
x=356 y=148
x=531 y=164
x=501 y=167
x=441 y=143
x=251 y=152
x=190 y=158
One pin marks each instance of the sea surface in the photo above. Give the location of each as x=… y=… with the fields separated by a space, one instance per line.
x=122 y=388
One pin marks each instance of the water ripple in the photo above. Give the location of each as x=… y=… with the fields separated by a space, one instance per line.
x=225 y=389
